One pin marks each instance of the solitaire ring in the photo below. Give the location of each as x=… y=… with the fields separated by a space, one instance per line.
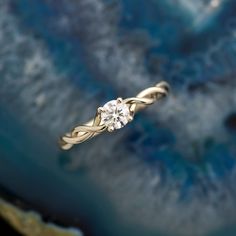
x=114 y=115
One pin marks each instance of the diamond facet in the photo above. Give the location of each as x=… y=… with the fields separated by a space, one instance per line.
x=115 y=114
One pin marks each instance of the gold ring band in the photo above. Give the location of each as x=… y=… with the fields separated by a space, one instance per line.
x=114 y=115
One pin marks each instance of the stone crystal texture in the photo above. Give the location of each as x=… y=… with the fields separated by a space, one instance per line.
x=115 y=114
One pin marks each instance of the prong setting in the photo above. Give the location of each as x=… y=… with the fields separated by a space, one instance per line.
x=100 y=110
x=130 y=118
x=110 y=129
x=119 y=100
x=115 y=114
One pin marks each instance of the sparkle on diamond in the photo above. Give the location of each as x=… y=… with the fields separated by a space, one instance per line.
x=115 y=114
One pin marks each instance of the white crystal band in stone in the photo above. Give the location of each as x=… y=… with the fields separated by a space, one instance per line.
x=114 y=115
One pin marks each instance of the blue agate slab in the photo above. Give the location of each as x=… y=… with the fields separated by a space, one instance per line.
x=169 y=172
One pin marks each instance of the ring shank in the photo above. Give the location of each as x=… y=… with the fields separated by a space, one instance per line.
x=93 y=127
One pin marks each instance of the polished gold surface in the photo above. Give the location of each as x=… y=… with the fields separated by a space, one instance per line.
x=94 y=127
x=30 y=223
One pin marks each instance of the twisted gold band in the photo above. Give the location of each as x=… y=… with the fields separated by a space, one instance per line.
x=114 y=115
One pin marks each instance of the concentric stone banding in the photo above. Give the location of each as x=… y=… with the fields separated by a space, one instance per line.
x=115 y=114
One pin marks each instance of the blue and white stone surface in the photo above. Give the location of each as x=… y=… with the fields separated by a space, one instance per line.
x=172 y=170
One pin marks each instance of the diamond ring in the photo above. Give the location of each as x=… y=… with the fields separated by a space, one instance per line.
x=114 y=115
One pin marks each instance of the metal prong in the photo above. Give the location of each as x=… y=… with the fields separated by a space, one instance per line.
x=130 y=118
x=110 y=129
x=119 y=100
x=100 y=110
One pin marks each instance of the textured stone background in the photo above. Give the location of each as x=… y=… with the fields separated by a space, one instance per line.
x=170 y=171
